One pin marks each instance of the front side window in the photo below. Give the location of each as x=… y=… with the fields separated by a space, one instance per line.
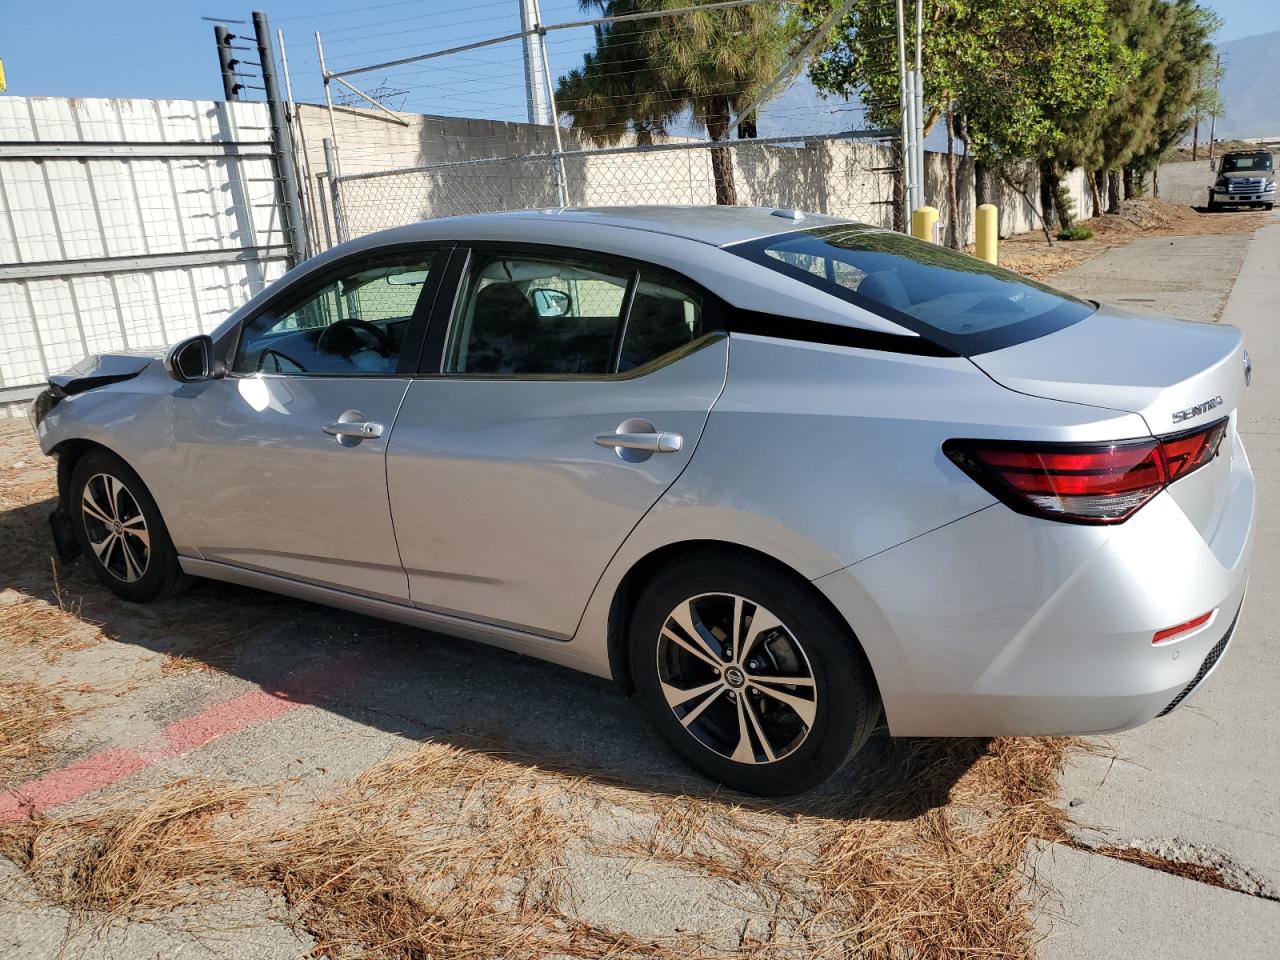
x=354 y=325
x=957 y=301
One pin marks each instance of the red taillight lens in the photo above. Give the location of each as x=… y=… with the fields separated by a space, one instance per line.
x=1084 y=482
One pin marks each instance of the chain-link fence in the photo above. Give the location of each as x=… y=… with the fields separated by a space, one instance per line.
x=847 y=174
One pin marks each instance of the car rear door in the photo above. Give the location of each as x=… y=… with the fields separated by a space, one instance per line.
x=566 y=394
x=284 y=459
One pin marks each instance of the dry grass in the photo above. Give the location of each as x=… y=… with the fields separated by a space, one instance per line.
x=452 y=854
x=1199 y=872
x=50 y=627
x=449 y=853
x=30 y=717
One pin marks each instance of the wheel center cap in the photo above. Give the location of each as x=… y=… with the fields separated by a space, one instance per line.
x=734 y=677
x=117 y=527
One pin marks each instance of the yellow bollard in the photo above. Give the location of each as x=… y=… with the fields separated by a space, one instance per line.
x=923 y=221
x=988 y=230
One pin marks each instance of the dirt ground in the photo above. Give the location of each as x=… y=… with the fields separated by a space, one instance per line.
x=1183 y=154
x=234 y=774
x=376 y=791
x=1029 y=254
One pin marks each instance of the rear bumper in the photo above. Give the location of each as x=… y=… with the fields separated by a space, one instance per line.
x=1001 y=624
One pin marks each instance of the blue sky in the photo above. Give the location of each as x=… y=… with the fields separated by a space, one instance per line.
x=161 y=48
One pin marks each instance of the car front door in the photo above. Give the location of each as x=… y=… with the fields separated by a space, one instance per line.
x=286 y=455
x=564 y=399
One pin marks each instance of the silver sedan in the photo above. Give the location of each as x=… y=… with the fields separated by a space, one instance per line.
x=779 y=474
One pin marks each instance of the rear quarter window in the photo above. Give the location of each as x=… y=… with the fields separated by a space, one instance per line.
x=959 y=302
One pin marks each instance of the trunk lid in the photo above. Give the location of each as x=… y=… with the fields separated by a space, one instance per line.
x=1176 y=374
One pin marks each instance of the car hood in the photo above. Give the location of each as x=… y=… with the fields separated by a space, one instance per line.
x=1176 y=374
x=99 y=370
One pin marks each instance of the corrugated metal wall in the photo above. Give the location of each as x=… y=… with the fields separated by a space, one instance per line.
x=127 y=224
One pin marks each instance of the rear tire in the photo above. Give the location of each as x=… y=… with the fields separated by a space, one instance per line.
x=705 y=688
x=120 y=530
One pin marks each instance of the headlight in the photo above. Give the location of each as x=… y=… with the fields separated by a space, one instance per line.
x=40 y=407
x=1221 y=183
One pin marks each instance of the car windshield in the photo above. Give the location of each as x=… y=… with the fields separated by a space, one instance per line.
x=957 y=301
x=1254 y=161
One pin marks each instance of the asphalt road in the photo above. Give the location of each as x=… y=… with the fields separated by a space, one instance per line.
x=1202 y=785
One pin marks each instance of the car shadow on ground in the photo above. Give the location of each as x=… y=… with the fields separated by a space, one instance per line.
x=425 y=686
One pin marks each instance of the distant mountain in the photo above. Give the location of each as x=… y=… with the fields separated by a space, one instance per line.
x=1250 y=88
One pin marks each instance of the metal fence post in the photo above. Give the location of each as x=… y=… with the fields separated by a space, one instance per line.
x=335 y=196
x=226 y=62
x=286 y=171
x=557 y=165
x=917 y=87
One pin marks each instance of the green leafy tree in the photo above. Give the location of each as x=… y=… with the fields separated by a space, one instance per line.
x=1188 y=57
x=1013 y=68
x=1165 y=45
x=1012 y=73
x=646 y=75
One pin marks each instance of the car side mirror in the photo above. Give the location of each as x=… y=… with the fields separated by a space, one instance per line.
x=192 y=360
x=550 y=302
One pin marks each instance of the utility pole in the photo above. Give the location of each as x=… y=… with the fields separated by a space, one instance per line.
x=1213 y=116
x=1195 y=130
x=535 y=58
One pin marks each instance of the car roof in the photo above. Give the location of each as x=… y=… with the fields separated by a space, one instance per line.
x=718 y=226
x=685 y=240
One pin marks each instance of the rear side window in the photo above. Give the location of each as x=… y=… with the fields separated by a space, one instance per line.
x=956 y=301
x=663 y=318
x=522 y=316
x=548 y=316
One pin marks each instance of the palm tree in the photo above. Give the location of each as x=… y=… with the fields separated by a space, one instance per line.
x=644 y=75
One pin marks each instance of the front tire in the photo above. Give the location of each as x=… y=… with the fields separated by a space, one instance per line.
x=748 y=676
x=120 y=531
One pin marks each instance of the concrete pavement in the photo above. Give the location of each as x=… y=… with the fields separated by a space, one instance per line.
x=1202 y=785
x=1187 y=277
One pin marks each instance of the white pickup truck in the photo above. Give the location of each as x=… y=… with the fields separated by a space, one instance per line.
x=1244 y=178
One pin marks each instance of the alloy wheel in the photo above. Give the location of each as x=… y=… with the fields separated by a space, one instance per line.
x=736 y=678
x=115 y=527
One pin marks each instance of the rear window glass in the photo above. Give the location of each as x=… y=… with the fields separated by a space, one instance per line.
x=954 y=300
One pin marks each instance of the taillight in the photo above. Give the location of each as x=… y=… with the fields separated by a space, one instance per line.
x=1084 y=482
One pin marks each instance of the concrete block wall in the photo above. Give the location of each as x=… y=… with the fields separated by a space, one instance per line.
x=844 y=178
x=1016 y=215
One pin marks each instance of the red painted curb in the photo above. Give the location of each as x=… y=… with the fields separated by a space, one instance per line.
x=109 y=766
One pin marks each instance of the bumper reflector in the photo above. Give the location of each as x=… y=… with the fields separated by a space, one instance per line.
x=1168 y=633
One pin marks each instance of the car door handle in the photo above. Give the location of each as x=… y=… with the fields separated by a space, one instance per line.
x=657 y=442
x=357 y=430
